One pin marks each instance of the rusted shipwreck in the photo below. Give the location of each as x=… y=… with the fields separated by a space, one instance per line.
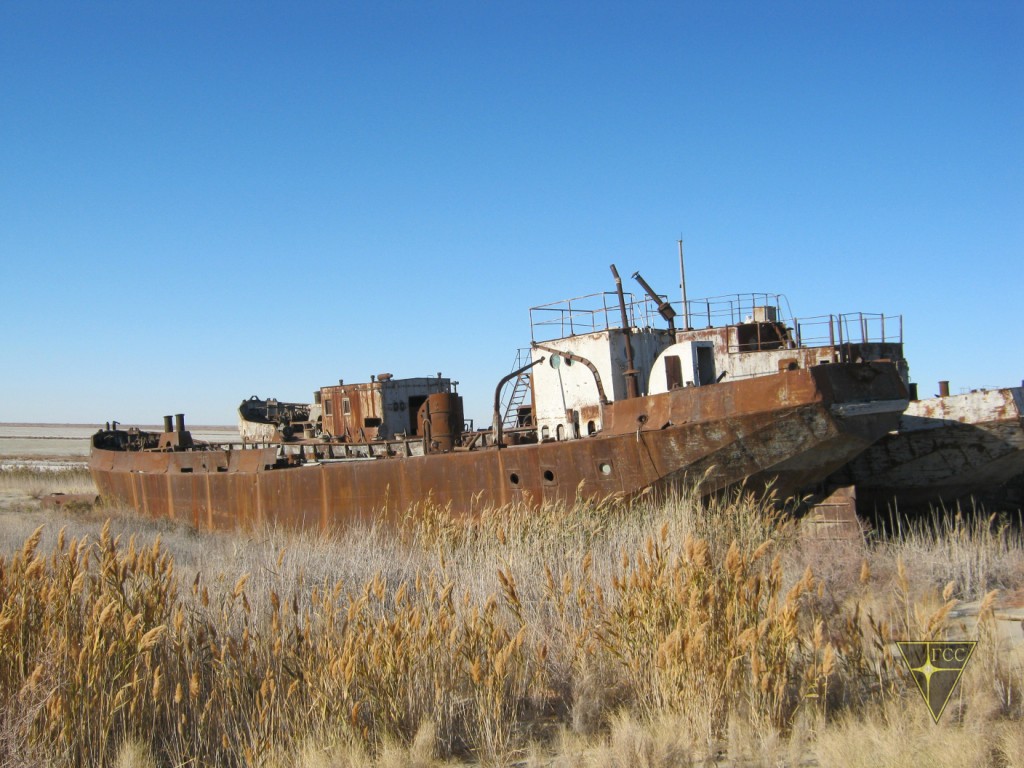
x=262 y=421
x=946 y=448
x=605 y=403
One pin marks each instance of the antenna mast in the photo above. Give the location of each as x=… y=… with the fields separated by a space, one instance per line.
x=682 y=285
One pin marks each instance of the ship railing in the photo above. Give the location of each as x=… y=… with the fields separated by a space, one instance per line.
x=590 y=314
x=600 y=311
x=848 y=328
x=837 y=332
x=731 y=309
x=817 y=331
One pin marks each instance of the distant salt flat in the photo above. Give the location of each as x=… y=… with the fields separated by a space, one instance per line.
x=49 y=444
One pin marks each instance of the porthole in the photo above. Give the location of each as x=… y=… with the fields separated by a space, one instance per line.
x=514 y=478
x=605 y=468
x=555 y=361
x=549 y=476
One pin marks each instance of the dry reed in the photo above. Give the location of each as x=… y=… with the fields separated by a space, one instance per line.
x=670 y=631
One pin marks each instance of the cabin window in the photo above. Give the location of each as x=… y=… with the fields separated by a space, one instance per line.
x=372 y=422
x=560 y=432
x=346 y=406
x=327 y=406
x=591 y=427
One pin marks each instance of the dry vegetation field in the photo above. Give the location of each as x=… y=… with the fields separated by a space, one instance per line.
x=666 y=633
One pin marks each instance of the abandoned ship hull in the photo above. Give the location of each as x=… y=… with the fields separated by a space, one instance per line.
x=796 y=426
x=261 y=421
x=946 y=448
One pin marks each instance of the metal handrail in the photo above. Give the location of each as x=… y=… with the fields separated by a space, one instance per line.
x=730 y=309
x=589 y=314
x=848 y=328
x=599 y=312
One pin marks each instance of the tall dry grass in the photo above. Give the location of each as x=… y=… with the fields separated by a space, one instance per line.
x=666 y=632
x=36 y=483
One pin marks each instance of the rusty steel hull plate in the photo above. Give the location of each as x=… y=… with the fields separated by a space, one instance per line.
x=791 y=429
x=946 y=448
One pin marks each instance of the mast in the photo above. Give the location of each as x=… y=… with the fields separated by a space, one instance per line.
x=682 y=285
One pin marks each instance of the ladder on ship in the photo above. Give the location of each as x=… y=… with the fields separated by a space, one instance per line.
x=517 y=393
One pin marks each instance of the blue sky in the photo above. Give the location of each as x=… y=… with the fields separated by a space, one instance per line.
x=204 y=201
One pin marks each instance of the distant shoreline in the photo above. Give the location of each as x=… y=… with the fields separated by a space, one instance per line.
x=155 y=427
x=49 y=441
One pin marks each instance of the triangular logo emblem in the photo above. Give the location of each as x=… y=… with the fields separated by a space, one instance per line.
x=937 y=667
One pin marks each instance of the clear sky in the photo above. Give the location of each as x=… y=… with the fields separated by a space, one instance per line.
x=201 y=201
